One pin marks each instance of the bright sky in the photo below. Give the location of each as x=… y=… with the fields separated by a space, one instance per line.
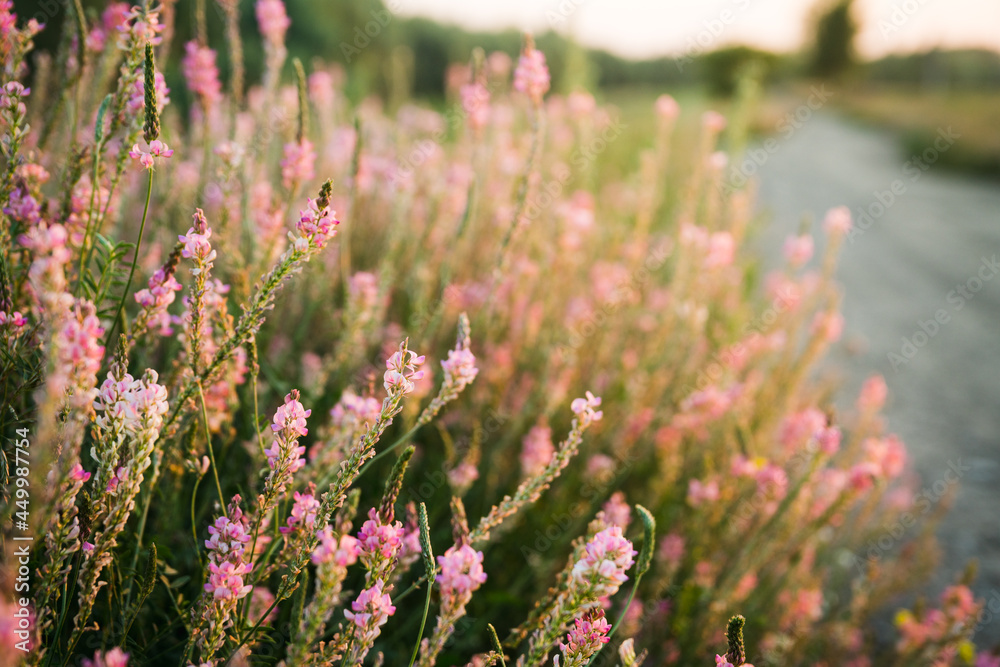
x=643 y=28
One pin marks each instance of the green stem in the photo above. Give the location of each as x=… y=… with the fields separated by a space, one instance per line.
x=621 y=616
x=423 y=622
x=403 y=438
x=135 y=259
x=211 y=453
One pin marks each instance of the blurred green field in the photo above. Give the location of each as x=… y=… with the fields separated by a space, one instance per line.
x=918 y=115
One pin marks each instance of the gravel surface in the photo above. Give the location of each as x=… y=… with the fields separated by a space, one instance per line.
x=930 y=251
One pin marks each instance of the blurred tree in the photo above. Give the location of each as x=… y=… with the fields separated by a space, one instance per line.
x=723 y=69
x=834 y=32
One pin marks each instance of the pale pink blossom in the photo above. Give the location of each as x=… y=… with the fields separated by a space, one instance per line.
x=532 y=75
x=536 y=450
x=202 y=74
x=798 y=249
x=272 y=20
x=838 y=221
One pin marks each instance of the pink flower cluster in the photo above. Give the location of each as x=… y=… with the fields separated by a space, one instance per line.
x=959 y=610
x=157 y=297
x=316 y=225
x=602 y=569
x=460 y=368
x=285 y=456
x=588 y=635
x=476 y=104
x=23 y=207
x=138 y=25
x=228 y=537
x=272 y=20
x=78 y=356
x=297 y=167
x=113 y=658
x=202 y=74
x=537 y=450
x=532 y=75
x=14 y=321
x=461 y=573
x=401 y=371
x=225 y=581
x=303 y=515
x=798 y=250
x=584 y=409
x=156 y=149
x=226 y=550
x=378 y=542
x=369 y=612
x=809 y=427
x=341 y=551
x=353 y=410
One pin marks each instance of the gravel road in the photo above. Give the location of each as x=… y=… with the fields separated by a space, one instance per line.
x=922 y=269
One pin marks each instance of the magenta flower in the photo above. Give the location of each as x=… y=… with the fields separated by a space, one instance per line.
x=201 y=73
x=461 y=572
x=297 y=165
x=113 y=658
x=303 y=516
x=532 y=74
x=156 y=149
x=608 y=556
x=317 y=225
x=838 y=221
x=586 y=638
x=342 y=551
x=536 y=450
x=370 y=612
x=584 y=409
x=378 y=541
x=225 y=581
x=272 y=20
x=291 y=416
x=402 y=371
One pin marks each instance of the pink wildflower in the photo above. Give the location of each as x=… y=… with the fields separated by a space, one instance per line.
x=272 y=20
x=370 y=612
x=475 y=104
x=378 y=541
x=584 y=409
x=532 y=75
x=113 y=658
x=602 y=569
x=838 y=221
x=798 y=249
x=402 y=372
x=873 y=395
x=588 y=635
x=297 y=167
x=667 y=107
x=156 y=149
x=303 y=516
x=201 y=73
x=537 y=450
x=341 y=551
x=461 y=571
x=317 y=225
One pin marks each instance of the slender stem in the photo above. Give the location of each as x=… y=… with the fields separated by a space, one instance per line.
x=403 y=438
x=135 y=259
x=194 y=494
x=423 y=622
x=211 y=453
x=621 y=616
